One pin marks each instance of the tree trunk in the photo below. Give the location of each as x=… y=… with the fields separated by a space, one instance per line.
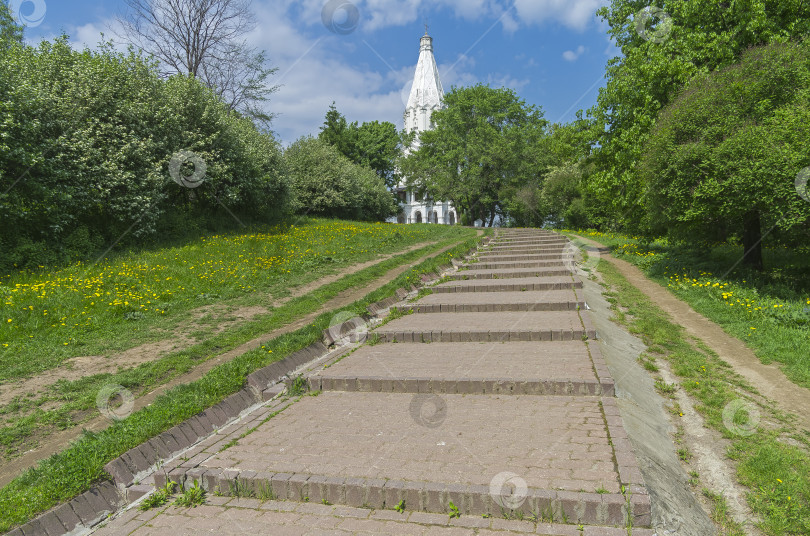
x=752 y=240
x=492 y=218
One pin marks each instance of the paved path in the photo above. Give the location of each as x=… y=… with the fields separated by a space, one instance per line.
x=489 y=396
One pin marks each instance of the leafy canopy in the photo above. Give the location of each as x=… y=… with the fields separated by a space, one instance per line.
x=485 y=142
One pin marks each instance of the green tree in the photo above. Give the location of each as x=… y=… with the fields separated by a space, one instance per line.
x=10 y=31
x=339 y=133
x=326 y=183
x=378 y=147
x=483 y=147
x=723 y=159
x=698 y=38
x=86 y=139
x=374 y=144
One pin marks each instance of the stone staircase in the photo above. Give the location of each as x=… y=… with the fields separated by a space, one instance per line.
x=488 y=397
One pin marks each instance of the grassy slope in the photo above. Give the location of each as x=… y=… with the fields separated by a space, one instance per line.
x=68 y=402
x=71 y=472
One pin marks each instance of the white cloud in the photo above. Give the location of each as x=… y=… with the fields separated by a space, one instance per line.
x=314 y=71
x=571 y=55
x=576 y=14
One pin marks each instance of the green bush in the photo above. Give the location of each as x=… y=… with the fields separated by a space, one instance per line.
x=86 y=139
x=326 y=183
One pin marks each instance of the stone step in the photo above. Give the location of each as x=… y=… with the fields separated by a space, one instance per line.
x=506 y=273
x=227 y=516
x=571 y=368
x=525 y=243
x=516 y=284
x=487 y=454
x=481 y=327
x=485 y=302
x=527 y=250
x=490 y=265
x=499 y=257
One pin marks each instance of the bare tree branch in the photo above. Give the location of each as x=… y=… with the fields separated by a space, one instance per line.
x=202 y=38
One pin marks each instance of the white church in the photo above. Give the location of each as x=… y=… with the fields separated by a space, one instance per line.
x=425 y=97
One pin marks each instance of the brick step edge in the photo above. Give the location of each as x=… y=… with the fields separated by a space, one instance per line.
x=509 y=287
x=575 y=334
x=528 y=242
x=498 y=257
x=538 y=248
x=488 y=265
x=487 y=386
x=465 y=275
x=77 y=515
x=489 y=307
x=611 y=509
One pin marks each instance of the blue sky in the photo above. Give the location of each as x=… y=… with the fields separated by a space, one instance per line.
x=551 y=52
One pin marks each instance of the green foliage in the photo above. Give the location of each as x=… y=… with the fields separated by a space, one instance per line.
x=10 y=31
x=486 y=143
x=159 y=497
x=723 y=158
x=373 y=144
x=85 y=146
x=648 y=74
x=191 y=497
x=326 y=183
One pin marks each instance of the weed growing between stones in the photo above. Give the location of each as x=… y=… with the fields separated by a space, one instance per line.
x=192 y=497
x=159 y=497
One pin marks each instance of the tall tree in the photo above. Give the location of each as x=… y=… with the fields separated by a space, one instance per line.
x=658 y=56
x=483 y=143
x=339 y=133
x=723 y=159
x=373 y=144
x=203 y=38
x=10 y=31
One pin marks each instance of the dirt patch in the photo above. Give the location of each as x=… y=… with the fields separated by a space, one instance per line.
x=80 y=367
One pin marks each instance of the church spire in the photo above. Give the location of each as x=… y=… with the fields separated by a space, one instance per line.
x=427 y=92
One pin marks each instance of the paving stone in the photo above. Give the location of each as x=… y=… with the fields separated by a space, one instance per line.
x=482 y=327
x=544 y=369
x=479 y=302
x=521 y=284
x=405 y=436
x=510 y=273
